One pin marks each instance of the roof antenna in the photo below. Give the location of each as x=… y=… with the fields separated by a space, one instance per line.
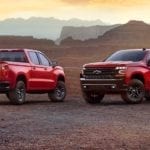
x=144 y=49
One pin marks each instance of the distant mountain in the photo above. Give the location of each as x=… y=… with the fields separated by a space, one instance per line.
x=49 y=28
x=84 y=33
x=134 y=34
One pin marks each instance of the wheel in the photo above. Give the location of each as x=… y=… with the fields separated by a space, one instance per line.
x=17 y=95
x=147 y=95
x=147 y=98
x=135 y=92
x=92 y=97
x=59 y=93
x=7 y=95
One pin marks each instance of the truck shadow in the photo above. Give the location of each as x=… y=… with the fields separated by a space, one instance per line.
x=41 y=102
x=106 y=103
x=120 y=103
x=5 y=103
x=75 y=102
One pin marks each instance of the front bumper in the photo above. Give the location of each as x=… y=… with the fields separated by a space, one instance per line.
x=103 y=85
x=4 y=86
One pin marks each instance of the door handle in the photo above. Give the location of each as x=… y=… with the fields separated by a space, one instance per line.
x=45 y=68
x=33 y=68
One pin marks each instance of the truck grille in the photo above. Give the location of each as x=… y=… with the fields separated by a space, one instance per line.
x=100 y=73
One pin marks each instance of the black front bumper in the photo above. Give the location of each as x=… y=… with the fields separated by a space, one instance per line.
x=103 y=85
x=4 y=86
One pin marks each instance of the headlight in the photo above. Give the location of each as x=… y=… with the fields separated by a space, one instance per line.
x=82 y=71
x=83 y=68
x=121 y=69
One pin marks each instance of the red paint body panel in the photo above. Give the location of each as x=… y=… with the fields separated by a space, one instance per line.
x=37 y=77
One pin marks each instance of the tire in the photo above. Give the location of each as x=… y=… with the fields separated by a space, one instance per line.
x=135 y=92
x=7 y=95
x=92 y=97
x=17 y=95
x=147 y=98
x=59 y=93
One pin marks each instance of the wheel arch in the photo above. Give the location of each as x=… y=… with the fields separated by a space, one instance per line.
x=61 y=78
x=22 y=77
x=138 y=76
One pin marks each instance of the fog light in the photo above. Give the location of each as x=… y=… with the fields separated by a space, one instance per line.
x=113 y=86
x=84 y=86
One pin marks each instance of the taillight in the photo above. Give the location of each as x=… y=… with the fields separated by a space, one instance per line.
x=4 y=71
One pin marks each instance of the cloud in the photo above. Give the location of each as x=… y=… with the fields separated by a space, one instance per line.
x=120 y=3
x=76 y=2
x=27 y=8
x=107 y=10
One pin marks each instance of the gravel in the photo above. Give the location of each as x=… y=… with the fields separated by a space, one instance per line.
x=74 y=125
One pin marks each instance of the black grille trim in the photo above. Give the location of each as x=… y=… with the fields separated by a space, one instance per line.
x=100 y=73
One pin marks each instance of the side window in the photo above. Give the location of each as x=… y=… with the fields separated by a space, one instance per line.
x=44 y=60
x=33 y=58
x=148 y=57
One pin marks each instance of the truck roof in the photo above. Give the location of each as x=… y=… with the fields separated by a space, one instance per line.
x=142 y=49
x=25 y=49
x=17 y=49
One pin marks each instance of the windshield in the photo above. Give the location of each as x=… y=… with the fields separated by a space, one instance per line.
x=126 y=55
x=12 y=56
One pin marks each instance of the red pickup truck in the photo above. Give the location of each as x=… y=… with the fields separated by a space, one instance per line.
x=30 y=71
x=126 y=72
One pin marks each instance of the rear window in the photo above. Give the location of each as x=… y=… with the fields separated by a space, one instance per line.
x=12 y=56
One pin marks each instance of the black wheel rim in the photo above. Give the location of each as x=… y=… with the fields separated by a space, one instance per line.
x=60 y=92
x=135 y=92
x=20 y=94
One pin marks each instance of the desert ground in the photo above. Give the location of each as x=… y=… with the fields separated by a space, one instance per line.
x=72 y=125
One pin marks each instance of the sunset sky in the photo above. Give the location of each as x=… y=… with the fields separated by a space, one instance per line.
x=110 y=11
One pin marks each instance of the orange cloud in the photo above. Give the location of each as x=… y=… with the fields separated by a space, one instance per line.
x=77 y=2
x=106 y=10
x=117 y=3
x=26 y=8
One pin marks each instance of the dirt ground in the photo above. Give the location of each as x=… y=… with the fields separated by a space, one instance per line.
x=74 y=125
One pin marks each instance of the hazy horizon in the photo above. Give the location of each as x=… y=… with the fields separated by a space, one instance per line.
x=61 y=19
x=49 y=28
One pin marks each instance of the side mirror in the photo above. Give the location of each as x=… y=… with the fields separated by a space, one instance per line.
x=148 y=62
x=54 y=64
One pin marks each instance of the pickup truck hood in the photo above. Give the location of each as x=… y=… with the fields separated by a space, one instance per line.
x=107 y=64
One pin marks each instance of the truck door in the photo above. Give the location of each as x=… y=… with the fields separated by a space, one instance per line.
x=34 y=75
x=41 y=77
x=46 y=75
